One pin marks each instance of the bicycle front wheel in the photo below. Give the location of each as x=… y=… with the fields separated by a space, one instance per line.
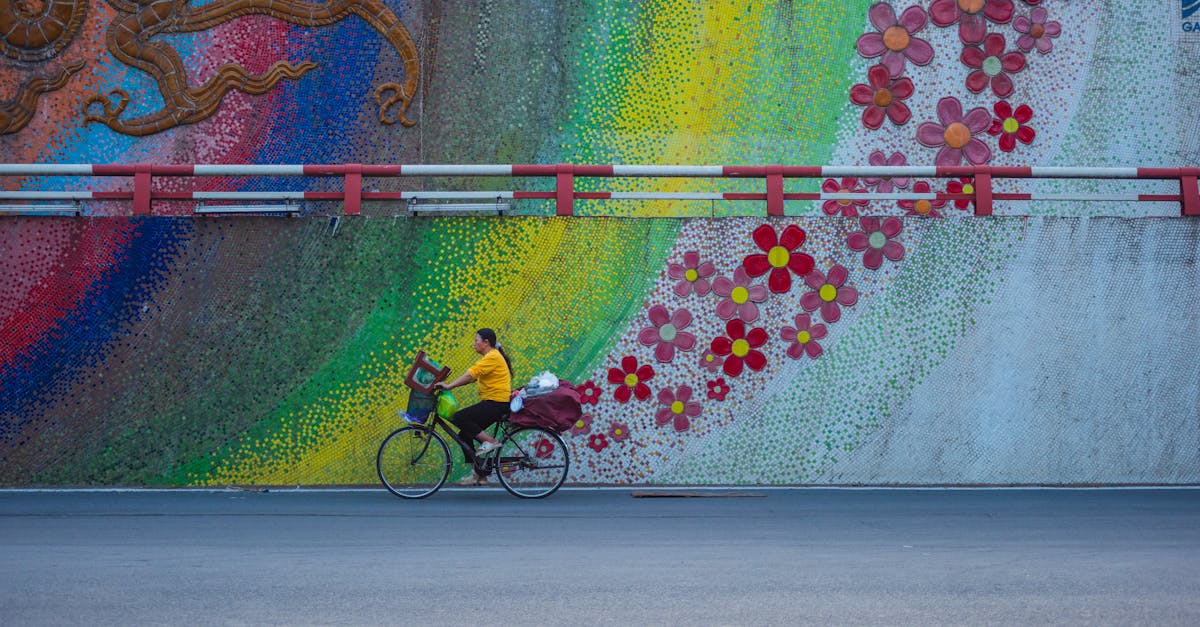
x=413 y=462
x=532 y=463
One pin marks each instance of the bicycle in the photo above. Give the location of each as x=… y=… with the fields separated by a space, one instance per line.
x=414 y=461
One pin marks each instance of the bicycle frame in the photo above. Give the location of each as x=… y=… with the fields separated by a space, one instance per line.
x=435 y=420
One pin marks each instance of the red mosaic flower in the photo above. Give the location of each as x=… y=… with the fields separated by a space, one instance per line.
x=618 y=431
x=829 y=294
x=543 y=449
x=631 y=379
x=597 y=442
x=667 y=332
x=589 y=393
x=961 y=186
x=848 y=208
x=582 y=426
x=895 y=41
x=972 y=16
x=993 y=66
x=803 y=337
x=718 y=389
x=1010 y=125
x=882 y=96
x=876 y=239
x=676 y=408
x=923 y=207
x=781 y=256
x=738 y=347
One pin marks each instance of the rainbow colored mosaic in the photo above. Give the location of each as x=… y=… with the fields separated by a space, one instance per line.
x=846 y=342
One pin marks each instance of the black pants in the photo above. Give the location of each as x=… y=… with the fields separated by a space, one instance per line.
x=471 y=420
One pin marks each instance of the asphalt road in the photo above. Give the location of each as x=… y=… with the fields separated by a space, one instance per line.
x=802 y=556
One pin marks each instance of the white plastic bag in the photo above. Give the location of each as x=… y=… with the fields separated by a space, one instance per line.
x=517 y=402
x=543 y=383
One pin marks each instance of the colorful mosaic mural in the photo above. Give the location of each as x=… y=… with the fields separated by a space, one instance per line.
x=848 y=341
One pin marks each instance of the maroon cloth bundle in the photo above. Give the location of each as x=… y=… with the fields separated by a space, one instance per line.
x=557 y=410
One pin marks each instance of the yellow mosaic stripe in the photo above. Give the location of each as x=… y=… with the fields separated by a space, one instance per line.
x=513 y=285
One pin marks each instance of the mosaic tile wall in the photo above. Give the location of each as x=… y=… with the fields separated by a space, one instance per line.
x=848 y=342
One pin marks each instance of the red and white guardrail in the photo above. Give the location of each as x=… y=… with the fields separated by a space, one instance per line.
x=982 y=195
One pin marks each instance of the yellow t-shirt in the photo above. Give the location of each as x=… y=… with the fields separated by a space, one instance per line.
x=491 y=373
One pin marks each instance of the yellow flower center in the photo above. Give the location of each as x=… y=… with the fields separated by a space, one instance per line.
x=631 y=380
x=741 y=348
x=843 y=202
x=778 y=257
x=968 y=189
x=740 y=295
x=617 y=432
x=1011 y=125
x=804 y=336
x=710 y=358
x=923 y=207
x=677 y=407
x=828 y=293
x=579 y=424
x=691 y=276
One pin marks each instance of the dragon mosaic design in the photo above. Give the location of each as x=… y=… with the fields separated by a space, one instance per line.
x=35 y=31
x=38 y=30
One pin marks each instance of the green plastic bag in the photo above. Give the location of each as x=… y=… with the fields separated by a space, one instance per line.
x=447 y=405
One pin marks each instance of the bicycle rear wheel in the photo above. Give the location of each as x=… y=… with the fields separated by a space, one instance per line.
x=532 y=463
x=413 y=462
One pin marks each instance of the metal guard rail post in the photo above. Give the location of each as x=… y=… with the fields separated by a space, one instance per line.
x=982 y=196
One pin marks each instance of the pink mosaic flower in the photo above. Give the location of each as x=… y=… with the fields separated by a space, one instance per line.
x=955 y=135
x=829 y=294
x=718 y=389
x=597 y=442
x=589 y=393
x=895 y=41
x=667 y=333
x=711 y=361
x=677 y=408
x=961 y=186
x=1036 y=31
x=582 y=426
x=1010 y=125
x=885 y=184
x=738 y=347
x=618 y=431
x=631 y=379
x=803 y=337
x=883 y=96
x=993 y=66
x=692 y=274
x=738 y=296
x=848 y=208
x=781 y=258
x=876 y=239
x=923 y=207
x=972 y=16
